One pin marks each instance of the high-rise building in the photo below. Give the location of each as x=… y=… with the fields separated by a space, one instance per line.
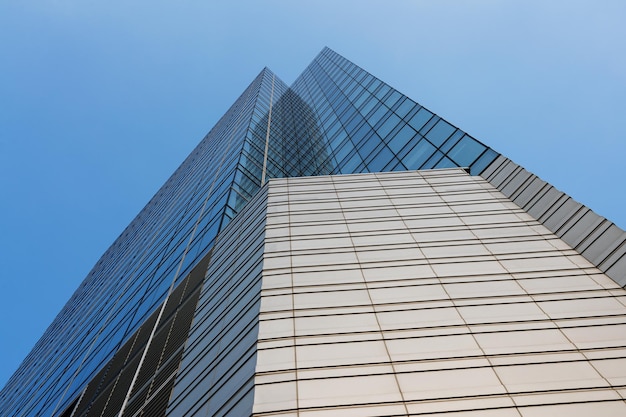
x=334 y=248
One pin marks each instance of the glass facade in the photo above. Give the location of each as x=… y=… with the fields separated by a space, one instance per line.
x=370 y=127
x=335 y=118
x=175 y=230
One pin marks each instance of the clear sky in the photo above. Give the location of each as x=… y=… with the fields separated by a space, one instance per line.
x=100 y=101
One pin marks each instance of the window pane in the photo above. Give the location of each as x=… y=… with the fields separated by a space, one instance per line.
x=440 y=132
x=420 y=118
x=401 y=138
x=466 y=151
x=418 y=155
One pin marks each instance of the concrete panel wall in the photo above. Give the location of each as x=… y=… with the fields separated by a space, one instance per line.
x=429 y=293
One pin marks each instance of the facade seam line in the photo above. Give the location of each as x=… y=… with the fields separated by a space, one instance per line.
x=267 y=133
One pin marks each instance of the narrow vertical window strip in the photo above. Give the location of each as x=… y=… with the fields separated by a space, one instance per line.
x=267 y=133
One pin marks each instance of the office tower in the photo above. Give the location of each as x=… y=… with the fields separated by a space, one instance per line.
x=334 y=248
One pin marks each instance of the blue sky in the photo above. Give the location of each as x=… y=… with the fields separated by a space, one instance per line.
x=101 y=101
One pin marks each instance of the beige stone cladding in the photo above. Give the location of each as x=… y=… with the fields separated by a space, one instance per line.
x=429 y=292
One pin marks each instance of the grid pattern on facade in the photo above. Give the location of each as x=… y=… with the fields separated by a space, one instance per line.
x=336 y=118
x=371 y=127
x=163 y=243
x=133 y=276
x=429 y=292
x=105 y=393
x=596 y=238
x=217 y=370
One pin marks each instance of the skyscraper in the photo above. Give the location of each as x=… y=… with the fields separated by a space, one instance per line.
x=334 y=247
